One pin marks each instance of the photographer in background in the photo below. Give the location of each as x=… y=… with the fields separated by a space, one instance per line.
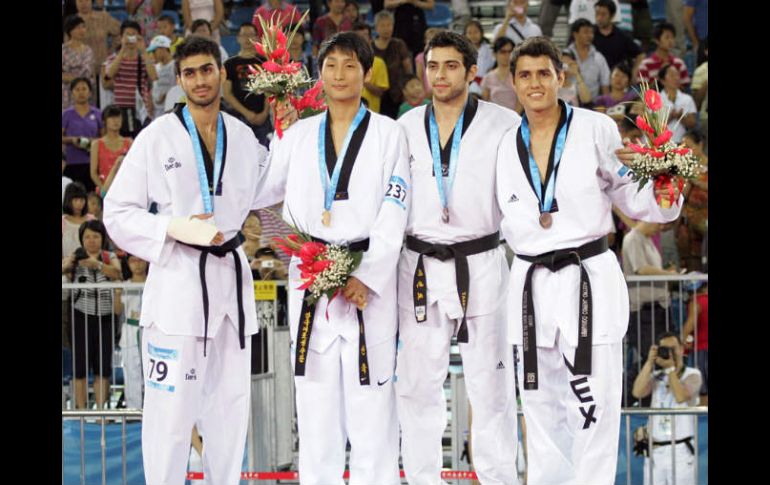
x=267 y=266
x=672 y=385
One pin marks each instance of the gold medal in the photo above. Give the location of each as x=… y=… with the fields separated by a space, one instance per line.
x=326 y=218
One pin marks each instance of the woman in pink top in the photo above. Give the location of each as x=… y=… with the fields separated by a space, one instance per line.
x=497 y=84
x=286 y=14
x=109 y=149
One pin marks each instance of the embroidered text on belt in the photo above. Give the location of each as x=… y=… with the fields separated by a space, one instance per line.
x=554 y=261
x=305 y=327
x=220 y=252
x=459 y=252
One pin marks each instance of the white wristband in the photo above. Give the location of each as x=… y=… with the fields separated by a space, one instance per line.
x=192 y=230
x=669 y=370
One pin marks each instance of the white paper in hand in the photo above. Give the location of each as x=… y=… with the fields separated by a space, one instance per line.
x=192 y=230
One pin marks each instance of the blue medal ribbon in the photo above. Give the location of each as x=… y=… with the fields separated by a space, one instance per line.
x=208 y=205
x=330 y=186
x=534 y=172
x=453 y=156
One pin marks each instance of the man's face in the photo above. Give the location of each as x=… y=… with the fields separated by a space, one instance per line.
x=166 y=28
x=200 y=79
x=447 y=74
x=336 y=6
x=247 y=35
x=666 y=40
x=603 y=18
x=584 y=36
x=537 y=83
x=80 y=93
x=83 y=6
x=384 y=28
x=343 y=76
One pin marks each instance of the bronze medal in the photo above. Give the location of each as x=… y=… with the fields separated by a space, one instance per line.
x=545 y=220
x=326 y=218
x=445 y=215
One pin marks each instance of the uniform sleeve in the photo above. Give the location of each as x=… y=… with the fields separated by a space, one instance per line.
x=274 y=170
x=387 y=233
x=129 y=223
x=617 y=183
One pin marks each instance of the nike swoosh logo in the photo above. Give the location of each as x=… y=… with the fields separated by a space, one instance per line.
x=383 y=382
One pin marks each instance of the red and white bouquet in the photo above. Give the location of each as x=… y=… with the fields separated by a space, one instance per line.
x=658 y=158
x=278 y=77
x=325 y=268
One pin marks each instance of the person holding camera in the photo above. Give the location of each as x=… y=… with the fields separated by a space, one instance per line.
x=93 y=327
x=129 y=69
x=267 y=266
x=672 y=385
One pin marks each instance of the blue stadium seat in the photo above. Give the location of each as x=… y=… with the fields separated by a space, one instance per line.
x=230 y=43
x=174 y=15
x=120 y=15
x=238 y=16
x=116 y=5
x=440 y=16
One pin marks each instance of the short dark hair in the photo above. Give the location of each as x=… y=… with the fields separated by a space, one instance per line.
x=71 y=22
x=664 y=70
x=625 y=68
x=130 y=24
x=347 y=42
x=537 y=47
x=608 y=4
x=577 y=25
x=167 y=18
x=478 y=26
x=198 y=22
x=111 y=111
x=265 y=251
x=74 y=190
x=248 y=24
x=358 y=25
x=79 y=80
x=194 y=45
x=662 y=27
x=696 y=135
x=408 y=78
x=459 y=42
x=669 y=335
x=502 y=42
x=94 y=225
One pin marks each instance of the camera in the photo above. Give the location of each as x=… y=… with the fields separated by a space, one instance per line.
x=665 y=352
x=131 y=39
x=268 y=263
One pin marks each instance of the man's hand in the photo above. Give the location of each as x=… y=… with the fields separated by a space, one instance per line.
x=219 y=238
x=625 y=154
x=664 y=194
x=652 y=355
x=356 y=292
x=285 y=112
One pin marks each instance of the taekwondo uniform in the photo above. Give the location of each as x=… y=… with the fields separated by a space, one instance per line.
x=191 y=292
x=452 y=280
x=343 y=358
x=574 y=301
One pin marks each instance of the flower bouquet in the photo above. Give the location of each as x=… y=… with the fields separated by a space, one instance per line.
x=325 y=268
x=278 y=78
x=658 y=158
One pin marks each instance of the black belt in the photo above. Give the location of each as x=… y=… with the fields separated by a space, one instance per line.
x=460 y=252
x=554 y=261
x=305 y=327
x=686 y=441
x=220 y=252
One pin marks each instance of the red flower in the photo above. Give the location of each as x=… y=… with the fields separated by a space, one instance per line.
x=652 y=99
x=285 y=249
x=307 y=283
x=642 y=124
x=681 y=151
x=293 y=237
x=278 y=53
x=260 y=49
x=662 y=138
x=319 y=266
x=656 y=154
x=271 y=66
x=310 y=250
x=638 y=149
x=280 y=37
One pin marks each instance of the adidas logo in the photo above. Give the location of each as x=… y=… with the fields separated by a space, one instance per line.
x=500 y=365
x=513 y=198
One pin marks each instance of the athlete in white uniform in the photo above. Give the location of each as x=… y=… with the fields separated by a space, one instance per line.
x=345 y=175
x=453 y=274
x=564 y=283
x=197 y=309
